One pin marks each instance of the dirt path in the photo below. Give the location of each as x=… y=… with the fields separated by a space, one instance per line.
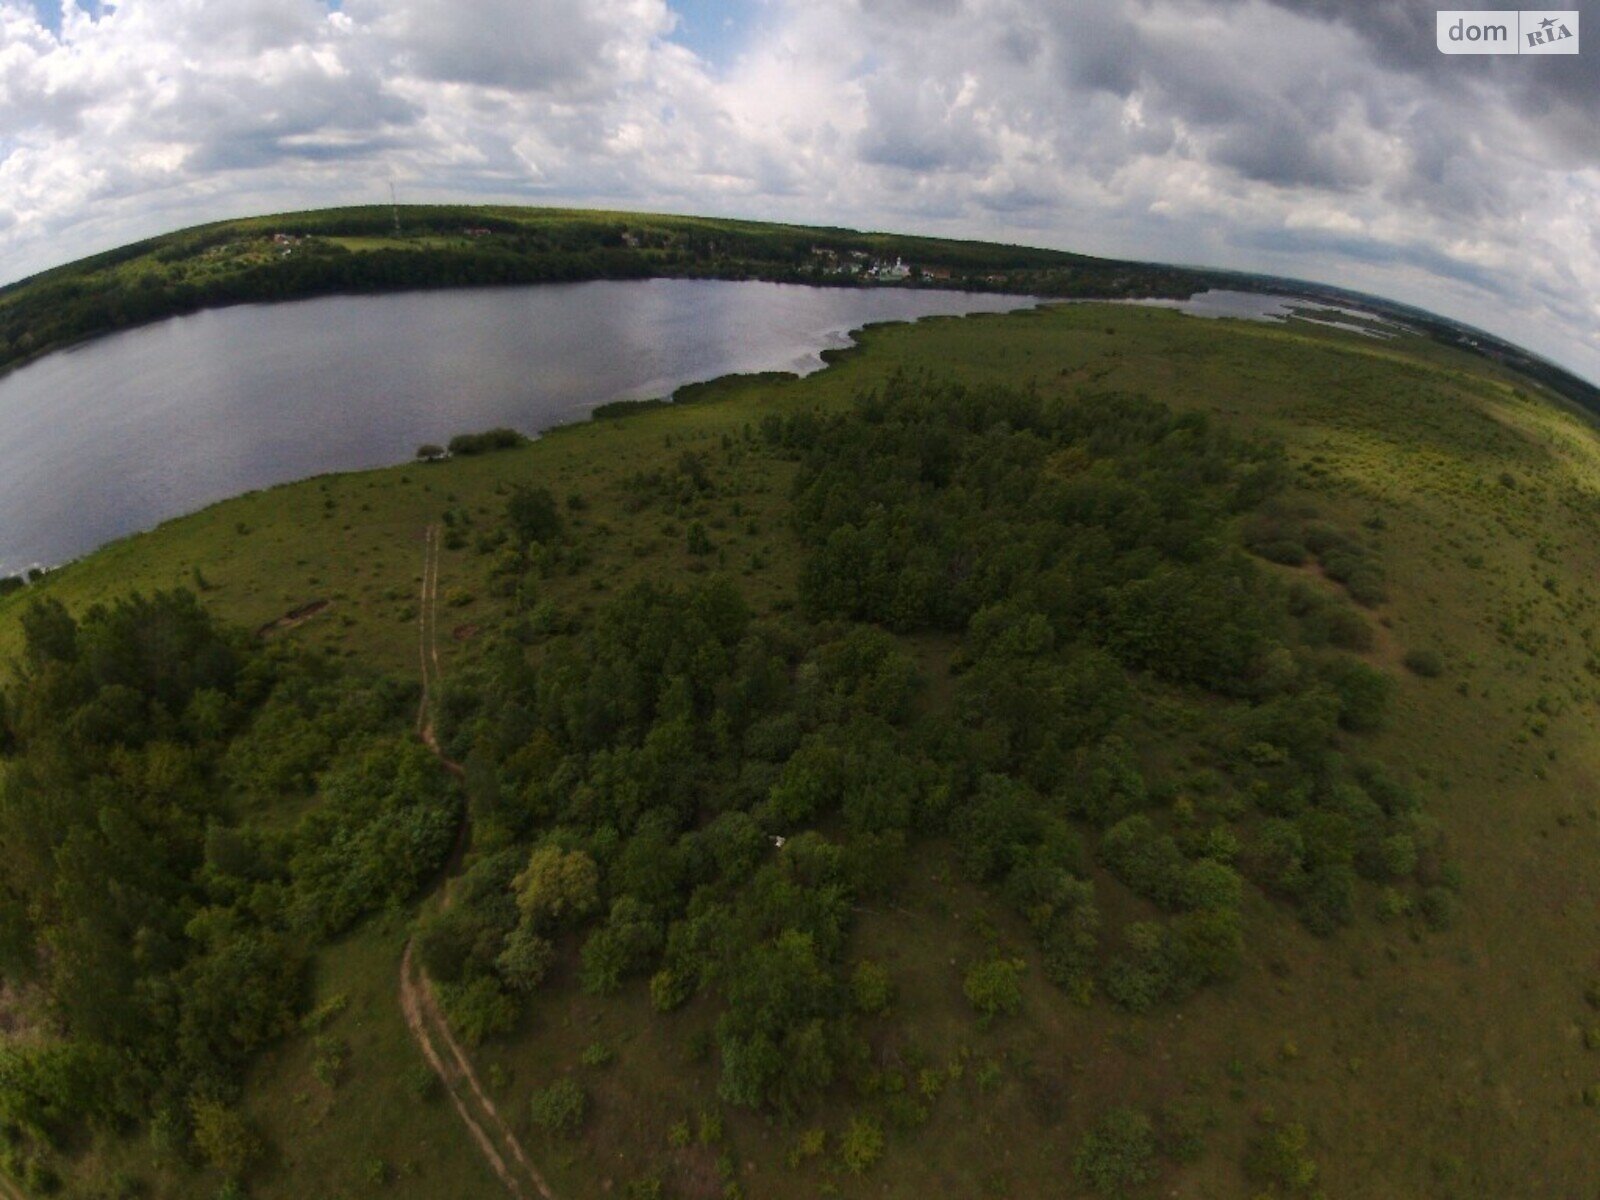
x=424 y=1017
x=8 y=1191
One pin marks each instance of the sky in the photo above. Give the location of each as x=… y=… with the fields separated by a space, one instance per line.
x=1323 y=139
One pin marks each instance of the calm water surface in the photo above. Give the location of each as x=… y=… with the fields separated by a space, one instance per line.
x=1276 y=307
x=124 y=432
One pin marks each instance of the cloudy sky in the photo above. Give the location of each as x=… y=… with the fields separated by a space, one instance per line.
x=1326 y=139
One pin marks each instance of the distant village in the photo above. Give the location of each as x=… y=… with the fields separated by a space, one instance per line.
x=861 y=265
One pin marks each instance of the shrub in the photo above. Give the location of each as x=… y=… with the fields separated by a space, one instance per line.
x=812 y=1143
x=1118 y=1154
x=1366 y=587
x=994 y=988
x=1279 y=1158
x=333 y=1056
x=1362 y=692
x=1348 y=629
x=1182 y=1128
x=1393 y=904
x=871 y=989
x=524 y=960
x=223 y=1137
x=1282 y=550
x=1425 y=663
x=861 y=1145
x=422 y=1083
x=486 y=442
x=478 y=1009
x=1438 y=908
x=1398 y=854
x=670 y=989
x=559 y=1109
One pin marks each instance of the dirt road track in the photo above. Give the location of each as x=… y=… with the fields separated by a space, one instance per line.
x=419 y=1004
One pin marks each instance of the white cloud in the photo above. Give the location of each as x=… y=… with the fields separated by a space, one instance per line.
x=1303 y=136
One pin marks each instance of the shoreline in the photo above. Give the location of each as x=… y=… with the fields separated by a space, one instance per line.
x=700 y=389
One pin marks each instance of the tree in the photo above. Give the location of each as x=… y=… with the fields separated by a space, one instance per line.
x=50 y=633
x=557 y=887
x=533 y=515
x=625 y=944
x=778 y=1039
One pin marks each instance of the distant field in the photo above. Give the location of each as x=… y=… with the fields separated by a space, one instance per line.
x=1427 y=1063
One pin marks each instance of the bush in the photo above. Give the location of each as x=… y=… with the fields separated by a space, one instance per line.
x=478 y=1009
x=422 y=1083
x=486 y=442
x=524 y=960
x=994 y=988
x=1438 y=908
x=223 y=1137
x=1362 y=692
x=1425 y=663
x=1348 y=629
x=1182 y=1128
x=871 y=989
x=1282 y=550
x=670 y=989
x=1366 y=588
x=861 y=1145
x=1279 y=1158
x=559 y=1109
x=1118 y=1154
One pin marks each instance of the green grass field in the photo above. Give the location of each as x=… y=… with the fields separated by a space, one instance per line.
x=1446 y=1064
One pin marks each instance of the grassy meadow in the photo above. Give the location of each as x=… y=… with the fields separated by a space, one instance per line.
x=1423 y=1062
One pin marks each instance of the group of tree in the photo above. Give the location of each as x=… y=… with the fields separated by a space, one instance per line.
x=164 y=923
x=677 y=793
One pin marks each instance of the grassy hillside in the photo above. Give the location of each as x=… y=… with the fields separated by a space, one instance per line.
x=1436 y=1043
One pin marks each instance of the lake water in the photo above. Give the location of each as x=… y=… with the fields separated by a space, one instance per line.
x=123 y=432
x=1270 y=306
